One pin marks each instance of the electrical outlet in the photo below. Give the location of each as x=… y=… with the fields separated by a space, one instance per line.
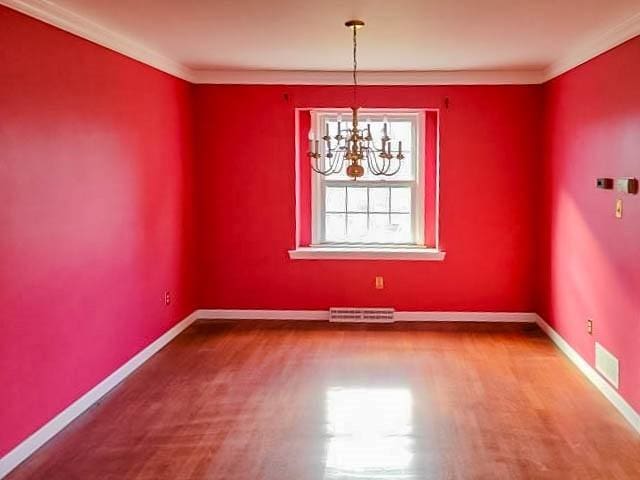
x=619 y=208
x=379 y=283
x=590 y=327
x=167 y=298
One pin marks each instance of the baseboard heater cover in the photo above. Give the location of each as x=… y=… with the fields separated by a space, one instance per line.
x=361 y=315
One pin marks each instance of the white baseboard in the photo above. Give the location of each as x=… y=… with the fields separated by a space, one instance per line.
x=60 y=421
x=241 y=314
x=490 y=317
x=400 y=316
x=55 y=425
x=592 y=375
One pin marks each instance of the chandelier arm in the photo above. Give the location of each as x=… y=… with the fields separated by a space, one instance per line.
x=324 y=170
x=386 y=171
x=381 y=148
x=316 y=168
x=387 y=161
x=339 y=163
x=336 y=166
x=391 y=174
x=372 y=163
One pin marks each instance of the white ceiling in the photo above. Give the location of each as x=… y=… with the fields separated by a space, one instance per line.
x=401 y=35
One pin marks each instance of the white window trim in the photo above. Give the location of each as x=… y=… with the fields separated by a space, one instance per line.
x=318 y=183
x=350 y=251
x=366 y=253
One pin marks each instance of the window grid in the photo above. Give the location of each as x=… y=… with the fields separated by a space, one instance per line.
x=402 y=226
x=368 y=211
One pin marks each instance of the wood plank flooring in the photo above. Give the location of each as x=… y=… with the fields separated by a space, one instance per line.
x=311 y=400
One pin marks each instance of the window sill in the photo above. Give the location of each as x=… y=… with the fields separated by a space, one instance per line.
x=367 y=253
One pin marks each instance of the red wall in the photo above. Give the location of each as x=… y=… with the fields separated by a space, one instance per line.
x=97 y=213
x=590 y=260
x=246 y=207
x=95 y=216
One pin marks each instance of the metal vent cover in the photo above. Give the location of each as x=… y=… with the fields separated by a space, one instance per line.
x=366 y=315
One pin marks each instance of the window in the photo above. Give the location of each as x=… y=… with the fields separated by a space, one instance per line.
x=374 y=217
x=374 y=210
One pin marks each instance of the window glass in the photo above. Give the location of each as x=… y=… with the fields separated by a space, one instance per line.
x=373 y=209
x=399 y=130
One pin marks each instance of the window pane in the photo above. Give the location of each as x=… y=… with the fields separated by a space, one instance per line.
x=401 y=199
x=356 y=199
x=357 y=230
x=335 y=199
x=399 y=130
x=379 y=227
x=405 y=170
x=406 y=167
x=401 y=226
x=335 y=227
x=379 y=199
x=357 y=212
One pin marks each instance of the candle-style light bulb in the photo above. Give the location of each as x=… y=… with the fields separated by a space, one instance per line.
x=312 y=135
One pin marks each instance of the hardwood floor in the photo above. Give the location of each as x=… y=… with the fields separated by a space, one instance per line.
x=312 y=400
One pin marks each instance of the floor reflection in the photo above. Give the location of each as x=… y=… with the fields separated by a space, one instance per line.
x=369 y=433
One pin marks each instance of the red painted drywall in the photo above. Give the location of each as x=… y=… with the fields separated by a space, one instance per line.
x=95 y=216
x=246 y=207
x=590 y=261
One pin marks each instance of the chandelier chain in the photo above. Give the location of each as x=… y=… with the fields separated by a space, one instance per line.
x=354 y=144
x=355 y=63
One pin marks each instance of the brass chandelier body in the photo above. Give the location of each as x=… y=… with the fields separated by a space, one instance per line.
x=355 y=145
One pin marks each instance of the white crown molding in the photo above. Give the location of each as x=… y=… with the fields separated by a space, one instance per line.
x=596 y=45
x=25 y=449
x=320 y=77
x=400 y=316
x=592 y=375
x=71 y=22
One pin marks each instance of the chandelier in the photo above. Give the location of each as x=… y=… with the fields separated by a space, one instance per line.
x=354 y=145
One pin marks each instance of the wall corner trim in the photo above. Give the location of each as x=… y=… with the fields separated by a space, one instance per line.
x=25 y=449
x=594 y=46
x=592 y=375
x=52 y=14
